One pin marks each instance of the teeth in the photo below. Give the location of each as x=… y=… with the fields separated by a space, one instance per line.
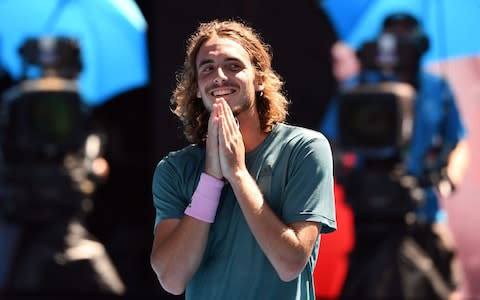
x=222 y=92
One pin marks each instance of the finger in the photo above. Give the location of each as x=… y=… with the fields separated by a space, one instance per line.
x=226 y=129
x=212 y=163
x=222 y=126
x=230 y=123
x=229 y=114
x=213 y=125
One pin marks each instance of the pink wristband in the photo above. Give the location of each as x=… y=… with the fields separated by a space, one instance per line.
x=205 y=199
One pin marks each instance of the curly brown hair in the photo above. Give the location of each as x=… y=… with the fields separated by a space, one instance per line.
x=271 y=104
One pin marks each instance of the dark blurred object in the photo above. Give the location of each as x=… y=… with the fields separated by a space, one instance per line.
x=395 y=242
x=408 y=263
x=59 y=56
x=43 y=119
x=408 y=28
x=43 y=115
x=392 y=55
x=49 y=171
x=376 y=117
x=6 y=80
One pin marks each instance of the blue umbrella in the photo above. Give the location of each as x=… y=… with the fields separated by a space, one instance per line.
x=450 y=25
x=111 y=35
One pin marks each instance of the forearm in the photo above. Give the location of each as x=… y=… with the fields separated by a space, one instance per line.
x=177 y=251
x=458 y=162
x=179 y=244
x=287 y=249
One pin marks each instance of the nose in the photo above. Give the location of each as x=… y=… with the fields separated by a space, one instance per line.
x=219 y=76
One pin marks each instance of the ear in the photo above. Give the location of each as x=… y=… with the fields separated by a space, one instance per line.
x=259 y=86
x=199 y=95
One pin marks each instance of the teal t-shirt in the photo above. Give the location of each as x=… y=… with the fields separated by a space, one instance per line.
x=293 y=168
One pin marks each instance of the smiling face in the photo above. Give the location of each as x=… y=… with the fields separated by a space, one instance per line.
x=225 y=71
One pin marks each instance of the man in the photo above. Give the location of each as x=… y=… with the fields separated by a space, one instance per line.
x=240 y=211
x=436 y=156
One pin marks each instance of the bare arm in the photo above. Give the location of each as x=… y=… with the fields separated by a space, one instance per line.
x=455 y=170
x=177 y=251
x=288 y=247
x=179 y=245
x=457 y=162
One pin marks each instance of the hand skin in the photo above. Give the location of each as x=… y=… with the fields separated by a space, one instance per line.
x=457 y=162
x=212 y=160
x=287 y=248
x=231 y=150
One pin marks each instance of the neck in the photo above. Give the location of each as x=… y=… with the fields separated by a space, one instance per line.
x=251 y=132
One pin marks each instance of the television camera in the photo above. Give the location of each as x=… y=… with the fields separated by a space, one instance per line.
x=50 y=164
x=377 y=115
x=394 y=237
x=44 y=134
x=376 y=121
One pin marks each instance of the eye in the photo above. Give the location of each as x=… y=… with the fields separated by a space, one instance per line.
x=206 y=68
x=235 y=66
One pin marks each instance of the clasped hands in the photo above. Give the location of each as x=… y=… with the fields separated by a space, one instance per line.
x=225 y=151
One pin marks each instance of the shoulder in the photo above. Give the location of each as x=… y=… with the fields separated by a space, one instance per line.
x=431 y=80
x=292 y=133
x=180 y=159
x=429 y=76
x=178 y=171
x=302 y=141
x=435 y=87
x=187 y=153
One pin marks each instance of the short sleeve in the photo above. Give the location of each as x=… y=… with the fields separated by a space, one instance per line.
x=168 y=200
x=309 y=193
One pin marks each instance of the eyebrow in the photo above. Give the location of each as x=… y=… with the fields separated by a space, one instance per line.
x=209 y=60
x=204 y=62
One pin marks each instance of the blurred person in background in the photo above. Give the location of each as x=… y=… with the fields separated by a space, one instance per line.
x=332 y=263
x=393 y=244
